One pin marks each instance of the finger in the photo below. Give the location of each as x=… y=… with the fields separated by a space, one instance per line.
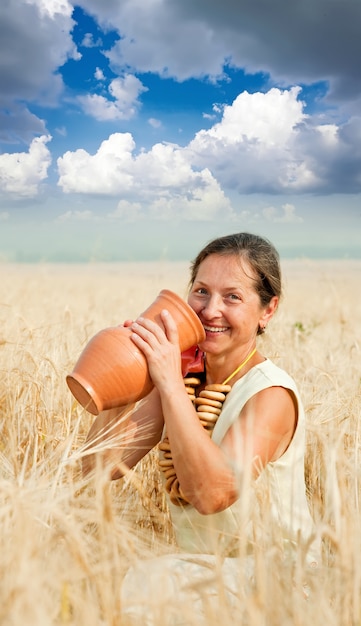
x=147 y=328
x=143 y=339
x=147 y=333
x=170 y=326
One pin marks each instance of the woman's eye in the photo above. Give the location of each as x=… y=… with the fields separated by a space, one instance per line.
x=202 y=291
x=233 y=296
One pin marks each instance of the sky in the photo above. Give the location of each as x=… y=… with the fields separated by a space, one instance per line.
x=135 y=130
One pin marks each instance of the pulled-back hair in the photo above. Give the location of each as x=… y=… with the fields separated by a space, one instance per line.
x=261 y=255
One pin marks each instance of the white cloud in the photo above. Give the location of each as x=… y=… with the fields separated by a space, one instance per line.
x=287 y=214
x=263 y=143
x=18 y=124
x=52 y=8
x=106 y=172
x=127 y=211
x=270 y=39
x=329 y=133
x=266 y=143
x=99 y=74
x=125 y=92
x=162 y=181
x=89 y=42
x=21 y=173
x=35 y=40
x=207 y=116
x=154 y=122
x=268 y=118
x=153 y=40
x=61 y=130
x=205 y=202
x=78 y=216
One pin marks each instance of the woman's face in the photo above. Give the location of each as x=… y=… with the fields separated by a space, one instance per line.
x=223 y=296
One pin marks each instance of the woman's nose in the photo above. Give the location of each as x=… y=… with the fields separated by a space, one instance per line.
x=212 y=308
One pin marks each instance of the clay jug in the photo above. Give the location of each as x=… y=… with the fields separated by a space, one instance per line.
x=111 y=371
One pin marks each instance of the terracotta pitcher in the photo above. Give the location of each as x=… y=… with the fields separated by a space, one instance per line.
x=111 y=371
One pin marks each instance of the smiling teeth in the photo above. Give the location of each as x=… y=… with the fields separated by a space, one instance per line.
x=213 y=329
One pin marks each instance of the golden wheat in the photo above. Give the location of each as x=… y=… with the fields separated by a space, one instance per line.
x=65 y=542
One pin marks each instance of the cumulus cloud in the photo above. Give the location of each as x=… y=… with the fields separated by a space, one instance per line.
x=78 y=216
x=304 y=42
x=286 y=215
x=89 y=41
x=22 y=173
x=162 y=180
x=35 y=40
x=268 y=118
x=192 y=38
x=18 y=124
x=99 y=74
x=155 y=123
x=127 y=211
x=264 y=142
x=52 y=8
x=205 y=202
x=152 y=39
x=106 y=172
x=124 y=92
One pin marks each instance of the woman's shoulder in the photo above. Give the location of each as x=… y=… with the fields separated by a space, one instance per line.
x=259 y=378
x=262 y=376
x=272 y=372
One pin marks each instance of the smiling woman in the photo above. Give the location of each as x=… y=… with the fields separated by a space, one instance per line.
x=242 y=477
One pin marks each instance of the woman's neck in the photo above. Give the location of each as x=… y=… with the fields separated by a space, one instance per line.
x=229 y=368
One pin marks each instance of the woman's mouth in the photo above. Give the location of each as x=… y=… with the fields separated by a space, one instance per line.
x=215 y=329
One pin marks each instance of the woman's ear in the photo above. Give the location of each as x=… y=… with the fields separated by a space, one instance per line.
x=268 y=311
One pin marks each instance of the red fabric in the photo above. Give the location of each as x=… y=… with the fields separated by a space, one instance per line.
x=192 y=361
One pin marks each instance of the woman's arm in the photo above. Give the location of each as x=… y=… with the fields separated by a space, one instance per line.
x=263 y=430
x=206 y=472
x=205 y=475
x=120 y=437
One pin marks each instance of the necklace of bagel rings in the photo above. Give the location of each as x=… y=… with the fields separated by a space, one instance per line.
x=209 y=406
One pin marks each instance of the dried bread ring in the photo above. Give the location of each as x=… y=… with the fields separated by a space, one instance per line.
x=208 y=408
x=174 y=491
x=194 y=382
x=165 y=463
x=177 y=501
x=169 y=472
x=208 y=417
x=164 y=445
x=214 y=395
x=208 y=401
x=169 y=482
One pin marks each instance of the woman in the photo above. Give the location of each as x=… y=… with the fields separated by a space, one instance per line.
x=244 y=477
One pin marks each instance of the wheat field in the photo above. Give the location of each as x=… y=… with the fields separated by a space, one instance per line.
x=67 y=542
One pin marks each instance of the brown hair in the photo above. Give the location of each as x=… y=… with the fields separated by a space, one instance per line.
x=261 y=255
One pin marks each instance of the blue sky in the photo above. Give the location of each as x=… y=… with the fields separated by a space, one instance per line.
x=140 y=129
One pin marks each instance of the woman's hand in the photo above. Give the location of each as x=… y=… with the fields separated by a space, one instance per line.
x=161 y=348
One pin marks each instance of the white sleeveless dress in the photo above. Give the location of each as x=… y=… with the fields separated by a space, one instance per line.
x=271 y=514
x=279 y=493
